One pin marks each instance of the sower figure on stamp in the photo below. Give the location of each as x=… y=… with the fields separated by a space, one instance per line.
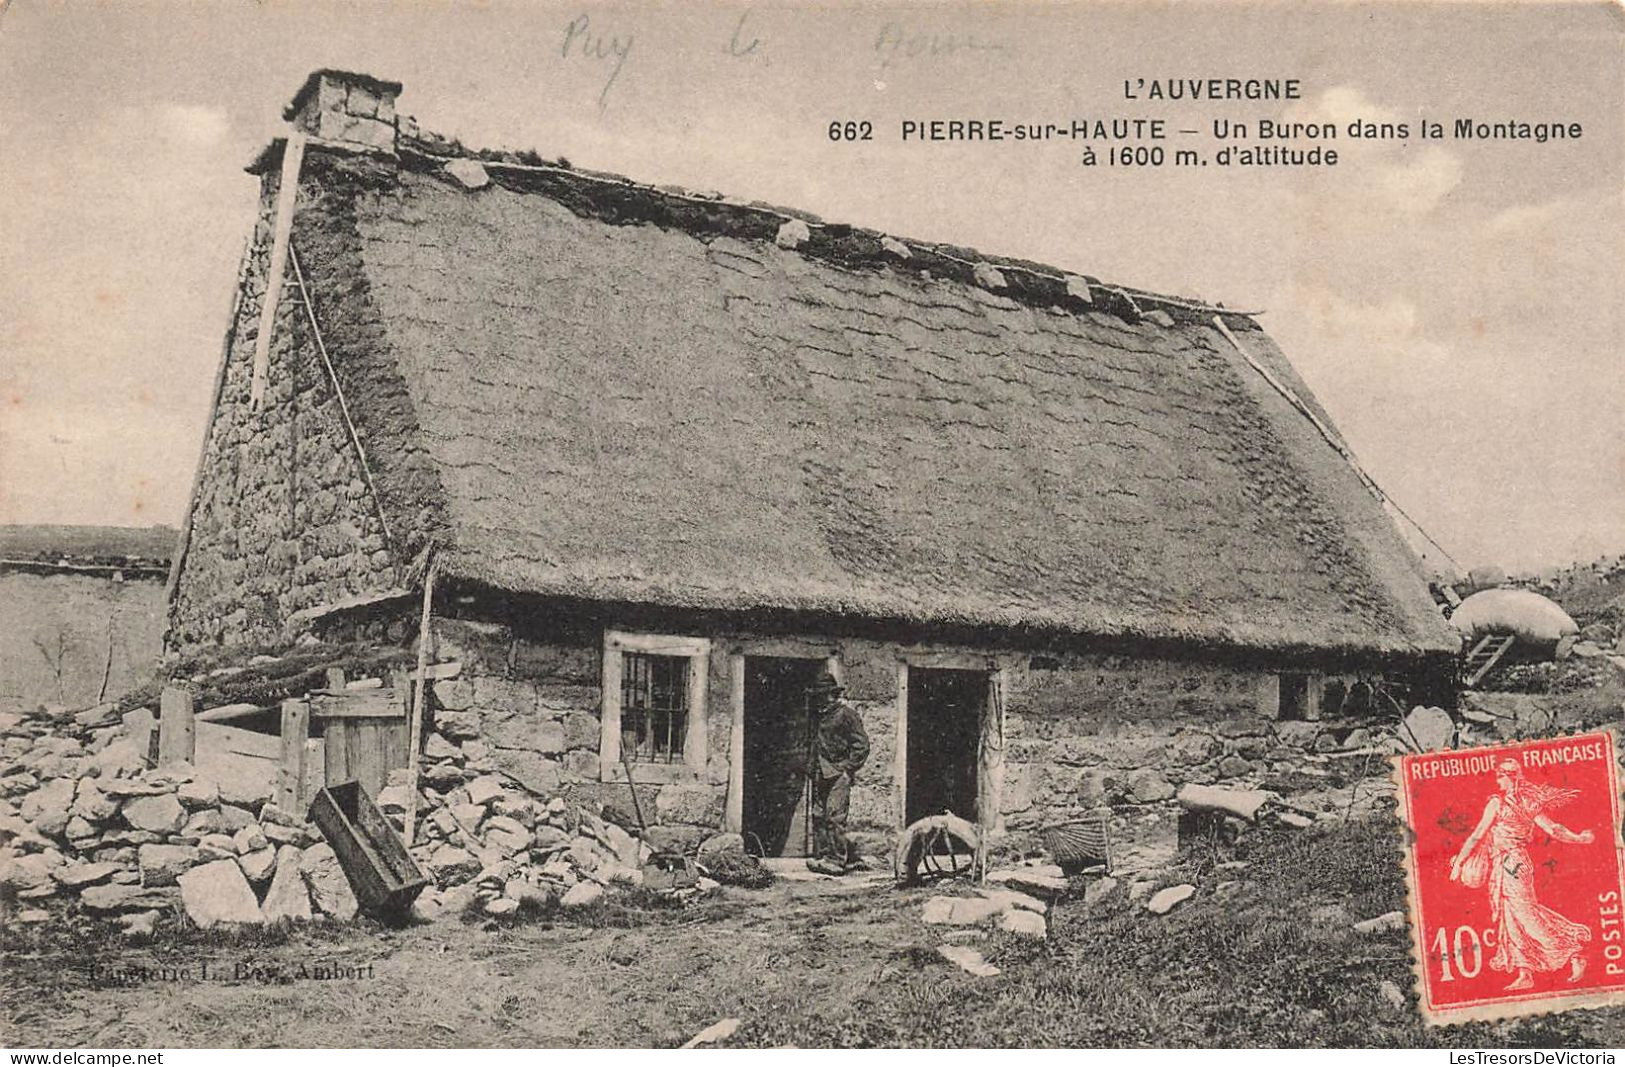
x=842 y=746
x=1529 y=935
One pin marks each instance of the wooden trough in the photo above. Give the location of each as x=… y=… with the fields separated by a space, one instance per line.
x=383 y=876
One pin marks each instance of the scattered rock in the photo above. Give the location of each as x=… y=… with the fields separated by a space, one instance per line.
x=792 y=234
x=50 y=806
x=218 y=893
x=1165 y=900
x=959 y=911
x=1023 y=923
x=451 y=864
x=1046 y=881
x=484 y=789
x=287 y=898
x=158 y=814
x=501 y=906
x=140 y=925
x=1098 y=890
x=198 y=793
x=715 y=844
x=1295 y=820
x=330 y=890
x=1009 y=898
x=164 y=864
x=720 y=1030
x=581 y=894
x=1427 y=729
x=1390 y=920
x=249 y=839
x=33 y=915
x=79 y=875
x=968 y=959
x=257 y=866
x=469 y=173
x=507 y=834
x=1148 y=785
x=91 y=804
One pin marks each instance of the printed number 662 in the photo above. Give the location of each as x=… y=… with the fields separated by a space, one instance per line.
x=852 y=131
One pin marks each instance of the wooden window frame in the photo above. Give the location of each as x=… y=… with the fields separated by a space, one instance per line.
x=697 y=650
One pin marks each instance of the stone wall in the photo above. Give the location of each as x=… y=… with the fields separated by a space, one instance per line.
x=283 y=519
x=1084 y=731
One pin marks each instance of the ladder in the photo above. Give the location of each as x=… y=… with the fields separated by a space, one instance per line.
x=1485 y=655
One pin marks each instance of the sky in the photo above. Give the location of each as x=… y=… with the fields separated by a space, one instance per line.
x=1456 y=305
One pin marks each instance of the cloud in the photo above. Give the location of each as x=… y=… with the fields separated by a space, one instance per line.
x=1416 y=187
x=193 y=124
x=1341 y=104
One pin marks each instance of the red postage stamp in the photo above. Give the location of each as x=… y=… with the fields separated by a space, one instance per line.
x=1517 y=874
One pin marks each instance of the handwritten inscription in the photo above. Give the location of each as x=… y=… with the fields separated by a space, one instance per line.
x=582 y=42
x=896 y=43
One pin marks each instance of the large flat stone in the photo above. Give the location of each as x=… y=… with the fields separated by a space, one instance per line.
x=164 y=864
x=217 y=893
x=330 y=890
x=288 y=898
x=157 y=814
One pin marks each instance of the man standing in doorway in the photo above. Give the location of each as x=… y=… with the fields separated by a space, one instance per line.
x=842 y=747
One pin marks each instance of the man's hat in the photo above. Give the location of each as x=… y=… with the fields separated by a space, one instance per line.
x=825 y=683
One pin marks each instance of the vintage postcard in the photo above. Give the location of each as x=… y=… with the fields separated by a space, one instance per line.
x=818 y=525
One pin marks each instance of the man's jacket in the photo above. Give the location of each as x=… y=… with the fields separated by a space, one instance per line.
x=843 y=744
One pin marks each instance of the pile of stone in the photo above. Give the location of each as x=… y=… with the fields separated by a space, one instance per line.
x=83 y=816
x=491 y=843
x=488 y=842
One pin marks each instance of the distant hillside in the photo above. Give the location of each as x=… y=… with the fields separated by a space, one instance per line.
x=87 y=542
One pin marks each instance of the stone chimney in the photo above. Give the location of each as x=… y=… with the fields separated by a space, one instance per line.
x=354 y=109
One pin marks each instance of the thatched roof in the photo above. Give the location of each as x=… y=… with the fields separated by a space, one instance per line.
x=594 y=389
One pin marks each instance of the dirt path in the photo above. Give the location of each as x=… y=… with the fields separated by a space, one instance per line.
x=797 y=944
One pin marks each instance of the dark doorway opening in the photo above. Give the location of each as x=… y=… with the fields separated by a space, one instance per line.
x=773 y=810
x=944 y=738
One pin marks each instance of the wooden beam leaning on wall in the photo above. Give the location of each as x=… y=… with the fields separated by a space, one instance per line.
x=420 y=683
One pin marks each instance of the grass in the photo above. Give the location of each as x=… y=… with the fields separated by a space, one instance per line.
x=1276 y=965
x=805 y=964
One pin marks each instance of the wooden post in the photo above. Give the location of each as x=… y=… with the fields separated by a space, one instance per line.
x=336 y=680
x=290 y=779
x=177 y=726
x=414 y=735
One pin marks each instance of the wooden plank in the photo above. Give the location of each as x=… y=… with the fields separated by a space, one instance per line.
x=293 y=153
x=357 y=704
x=217 y=737
x=415 y=707
x=290 y=779
x=335 y=752
x=177 y=726
x=226 y=713
x=315 y=772
x=368 y=755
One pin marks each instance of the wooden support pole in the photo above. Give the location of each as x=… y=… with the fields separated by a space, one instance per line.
x=177 y=726
x=414 y=737
x=294 y=767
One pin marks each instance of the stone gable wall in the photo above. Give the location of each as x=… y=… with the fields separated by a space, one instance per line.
x=283 y=520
